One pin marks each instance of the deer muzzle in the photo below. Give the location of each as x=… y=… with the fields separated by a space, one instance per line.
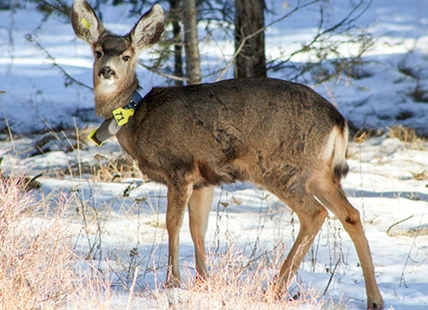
x=107 y=73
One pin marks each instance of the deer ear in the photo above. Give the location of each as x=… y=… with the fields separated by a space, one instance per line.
x=148 y=29
x=85 y=22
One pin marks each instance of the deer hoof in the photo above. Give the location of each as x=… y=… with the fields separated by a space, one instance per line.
x=171 y=283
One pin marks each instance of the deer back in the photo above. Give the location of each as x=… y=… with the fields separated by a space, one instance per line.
x=242 y=129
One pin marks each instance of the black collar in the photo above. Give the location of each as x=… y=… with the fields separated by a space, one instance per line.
x=135 y=101
x=121 y=116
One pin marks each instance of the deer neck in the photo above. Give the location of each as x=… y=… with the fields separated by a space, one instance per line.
x=109 y=98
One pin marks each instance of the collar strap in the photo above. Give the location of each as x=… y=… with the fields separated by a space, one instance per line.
x=121 y=116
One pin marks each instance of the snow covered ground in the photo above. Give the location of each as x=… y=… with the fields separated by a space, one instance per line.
x=387 y=182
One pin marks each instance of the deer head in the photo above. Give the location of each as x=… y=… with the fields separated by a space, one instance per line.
x=115 y=57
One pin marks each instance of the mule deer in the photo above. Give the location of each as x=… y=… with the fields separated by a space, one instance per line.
x=281 y=135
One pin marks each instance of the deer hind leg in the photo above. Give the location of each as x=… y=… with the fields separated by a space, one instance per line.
x=178 y=198
x=199 y=208
x=311 y=216
x=333 y=198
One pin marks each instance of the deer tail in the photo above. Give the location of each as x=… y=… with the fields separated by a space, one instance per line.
x=335 y=150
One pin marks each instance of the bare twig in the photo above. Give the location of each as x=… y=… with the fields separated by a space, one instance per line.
x=402 y=280
x=395 y=224
x=163 y=74
x=131 y=290
x=68 y=77
x=320 y=33
x=331 y=276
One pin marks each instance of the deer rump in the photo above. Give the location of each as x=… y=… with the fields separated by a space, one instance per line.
x=260 y=130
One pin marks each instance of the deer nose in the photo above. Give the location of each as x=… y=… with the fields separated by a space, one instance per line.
x=106 y=72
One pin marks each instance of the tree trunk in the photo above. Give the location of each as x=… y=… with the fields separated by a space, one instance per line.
x=178 y=46
x=191 y=47
x=249 y=39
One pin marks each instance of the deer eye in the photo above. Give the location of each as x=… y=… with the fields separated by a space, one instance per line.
x=97 y=54
x=126 y=58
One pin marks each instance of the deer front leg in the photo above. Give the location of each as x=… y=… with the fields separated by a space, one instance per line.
x=199 y=209
x=178 y=198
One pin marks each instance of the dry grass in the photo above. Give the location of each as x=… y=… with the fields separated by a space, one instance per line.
x=36 y=261
x=115 y=169
x=418 y=231
x=365 y=134
x=232 y=285
x=402 y=133
x=39 y=269
x=106 y=169
x=420 y=176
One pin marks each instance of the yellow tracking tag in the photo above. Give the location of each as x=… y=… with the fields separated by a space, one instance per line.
x=85 y=24
x=92 y=137
x=122 y=115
